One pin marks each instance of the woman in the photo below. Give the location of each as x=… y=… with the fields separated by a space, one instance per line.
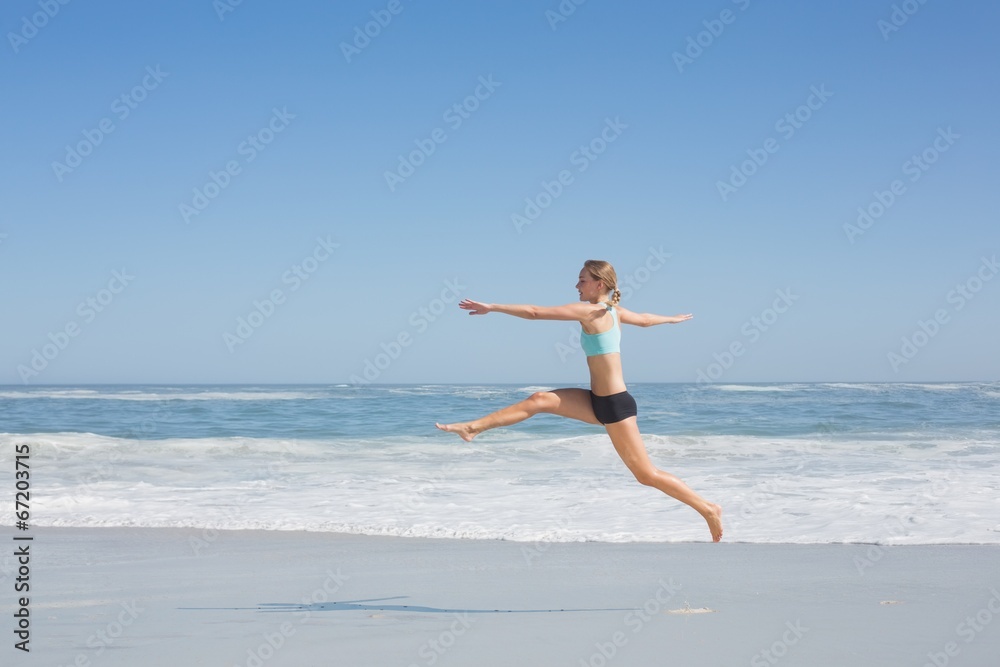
x=608 y=402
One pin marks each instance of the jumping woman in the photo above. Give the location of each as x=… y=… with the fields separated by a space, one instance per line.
x=608 y=401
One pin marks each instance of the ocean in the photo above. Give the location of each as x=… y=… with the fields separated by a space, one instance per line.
x=790 y=463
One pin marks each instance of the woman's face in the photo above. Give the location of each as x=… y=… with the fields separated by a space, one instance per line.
x=590 y=288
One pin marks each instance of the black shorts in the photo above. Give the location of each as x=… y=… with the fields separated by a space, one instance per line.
x=613 y=408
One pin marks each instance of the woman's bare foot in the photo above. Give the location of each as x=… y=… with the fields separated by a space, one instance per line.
x=713 y=515
x=463 y=429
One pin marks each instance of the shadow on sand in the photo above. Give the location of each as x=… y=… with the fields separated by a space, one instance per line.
x=362 y=605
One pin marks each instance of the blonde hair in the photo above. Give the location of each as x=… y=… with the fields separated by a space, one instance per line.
x=604 y=272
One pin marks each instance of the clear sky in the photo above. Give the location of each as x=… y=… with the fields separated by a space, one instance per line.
x=199 y=192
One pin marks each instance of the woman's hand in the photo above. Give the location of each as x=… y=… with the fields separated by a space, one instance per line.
x=677 y=319
x=474 y=307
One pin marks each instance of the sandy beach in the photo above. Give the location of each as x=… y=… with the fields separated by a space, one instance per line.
x=131 y=596
x=416 y=334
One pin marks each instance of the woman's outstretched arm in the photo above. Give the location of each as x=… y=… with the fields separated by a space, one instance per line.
x=571 y=311
x=649 y=319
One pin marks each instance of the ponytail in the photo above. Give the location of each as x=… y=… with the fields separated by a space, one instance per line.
x=604 y=272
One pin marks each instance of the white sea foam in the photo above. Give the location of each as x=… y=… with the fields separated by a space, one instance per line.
x=933 y=386
x=519 y=487
x=464 y=391
x=93 y=394
x=755 y=387
x=853 y=385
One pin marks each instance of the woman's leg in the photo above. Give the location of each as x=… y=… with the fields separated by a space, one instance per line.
x=573 y=403
x=628 y=443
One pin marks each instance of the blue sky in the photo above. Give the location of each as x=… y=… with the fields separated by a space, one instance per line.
x=174 y=169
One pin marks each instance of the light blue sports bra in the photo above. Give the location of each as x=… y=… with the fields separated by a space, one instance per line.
x=605 y=342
